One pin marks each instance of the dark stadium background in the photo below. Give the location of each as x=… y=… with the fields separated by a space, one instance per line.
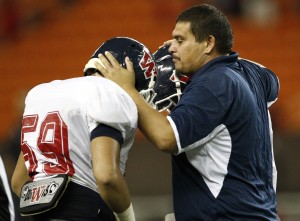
x=52 y=39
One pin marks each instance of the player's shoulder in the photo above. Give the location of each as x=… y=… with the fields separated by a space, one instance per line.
x=37 y=89
x=98 y=81
x=107 y=89
x=78 y=83
x=103 y=85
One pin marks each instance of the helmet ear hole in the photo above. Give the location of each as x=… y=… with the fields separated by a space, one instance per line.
x=91 y=71
x=169 y=84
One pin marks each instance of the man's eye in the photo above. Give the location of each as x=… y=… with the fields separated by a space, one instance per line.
x=179 y=41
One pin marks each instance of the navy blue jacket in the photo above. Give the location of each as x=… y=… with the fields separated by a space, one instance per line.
x=223 y=170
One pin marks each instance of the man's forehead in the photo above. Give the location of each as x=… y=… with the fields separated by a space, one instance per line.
x=182 y=29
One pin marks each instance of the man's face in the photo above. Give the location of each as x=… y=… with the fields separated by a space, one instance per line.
x=188 y=55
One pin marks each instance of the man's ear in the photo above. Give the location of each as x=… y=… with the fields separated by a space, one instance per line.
x=210 y=44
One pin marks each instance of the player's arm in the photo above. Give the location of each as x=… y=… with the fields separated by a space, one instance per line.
x=110 y=181
x=20 y=175
x=154 y=125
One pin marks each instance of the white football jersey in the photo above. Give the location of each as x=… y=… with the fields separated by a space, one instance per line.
x=58 y=119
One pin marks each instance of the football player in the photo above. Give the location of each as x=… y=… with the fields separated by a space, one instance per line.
x=75 y=140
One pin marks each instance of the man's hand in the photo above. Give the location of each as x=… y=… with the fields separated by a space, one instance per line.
x=166 y=43
x=111 y=69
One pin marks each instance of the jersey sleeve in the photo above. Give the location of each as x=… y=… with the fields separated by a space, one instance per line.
x=108 y=104
x=107 y=131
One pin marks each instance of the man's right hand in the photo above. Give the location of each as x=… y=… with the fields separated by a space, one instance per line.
x=112 y=70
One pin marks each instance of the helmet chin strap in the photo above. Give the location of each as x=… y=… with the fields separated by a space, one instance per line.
x=177 y=84
x=148 y=95
x=152 y=82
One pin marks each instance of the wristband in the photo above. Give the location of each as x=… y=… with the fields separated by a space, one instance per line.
x=127 y=215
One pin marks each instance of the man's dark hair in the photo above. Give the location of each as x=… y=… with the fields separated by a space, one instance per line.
x=207 y=20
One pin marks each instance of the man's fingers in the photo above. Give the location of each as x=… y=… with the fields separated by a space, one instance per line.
x=113 y=61
x=106 y=63
x=110 y=67
x=100 y=66
x=129 y=64
x=167 y=43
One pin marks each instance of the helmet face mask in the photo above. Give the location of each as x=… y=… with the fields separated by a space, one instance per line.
x=142 y=59
x=169 y=84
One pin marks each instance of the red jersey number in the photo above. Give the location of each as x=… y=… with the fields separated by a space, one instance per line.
x=52 y=143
